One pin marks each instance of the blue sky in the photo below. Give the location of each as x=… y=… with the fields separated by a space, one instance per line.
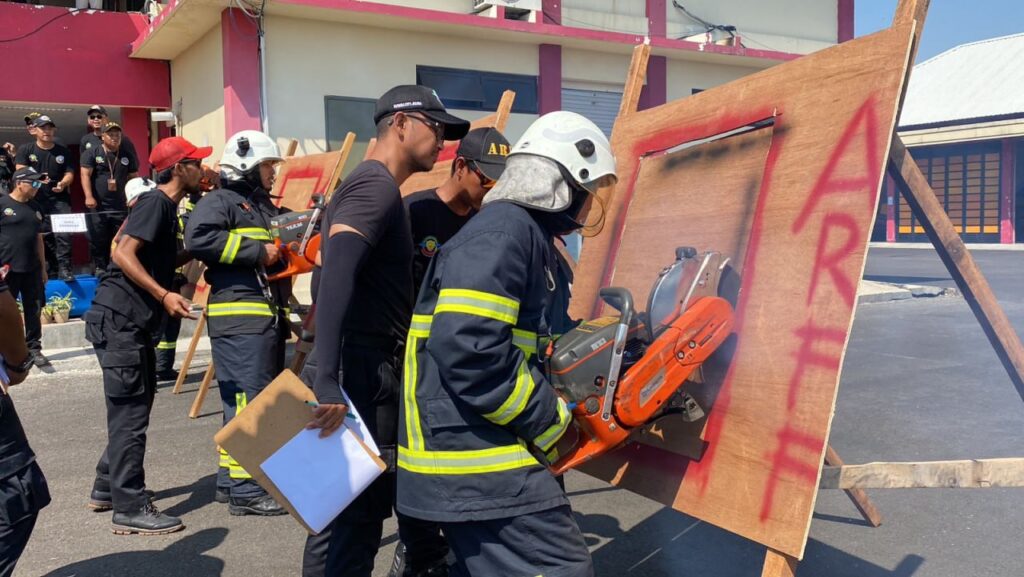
x=950 y=22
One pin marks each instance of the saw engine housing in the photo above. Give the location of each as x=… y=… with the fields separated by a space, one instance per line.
x=623 y=372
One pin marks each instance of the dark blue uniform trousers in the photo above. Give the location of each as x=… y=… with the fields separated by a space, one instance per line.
x=22 y=495
x=244 y=365
x=547 y=543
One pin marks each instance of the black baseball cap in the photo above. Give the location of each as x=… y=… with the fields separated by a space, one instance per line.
x=42 y=120
x=110 y=126
x=415 y=98
x=30 y=117
x=488 y=149
x=27 y=173
x=96 y=108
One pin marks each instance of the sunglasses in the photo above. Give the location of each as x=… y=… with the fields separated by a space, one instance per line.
x=485 y=182
x=95 y=117
x=436 y=127
x=35 y=183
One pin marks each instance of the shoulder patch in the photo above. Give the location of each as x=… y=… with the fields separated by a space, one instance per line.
x=125 y=161
x=60 y=159
x=429 y=246
x=8 y=211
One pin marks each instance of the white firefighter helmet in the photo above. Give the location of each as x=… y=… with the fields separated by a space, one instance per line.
x=245 y=151
x=135 y=187
x=572 y=141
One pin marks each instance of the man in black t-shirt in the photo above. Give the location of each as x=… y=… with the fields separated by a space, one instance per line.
x=361 y=329
x=436 y=214
x=21 y=249
x=54 y=161
x=105 y=171
x=121 y=325
x=23 y=489
x=97 y=119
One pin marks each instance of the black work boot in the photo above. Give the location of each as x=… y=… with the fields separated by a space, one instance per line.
x=39 y=359
x=100 y=501
x=146 y=521
x=222 y=496
x=264 y=505
x=164 y=375
x=65 y=274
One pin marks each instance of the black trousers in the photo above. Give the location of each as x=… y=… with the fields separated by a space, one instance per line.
x=22 y=496
x=103 y=225
x=28 y=286
x=57 y=246
x=167 y=346
x=348 y=546
x=245 y=365
x=547 y=543
x=129 y=385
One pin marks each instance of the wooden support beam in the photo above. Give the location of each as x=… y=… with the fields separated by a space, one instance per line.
x=958 y=261
x=187 y=362
x=635 y=79
x=858 y=496
x=778 y=564
x=204 y=387
x=293 y=145
x=966 y=474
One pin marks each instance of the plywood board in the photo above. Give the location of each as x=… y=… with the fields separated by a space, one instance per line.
x=300 y=177
x=443 y=166
x=780 y=171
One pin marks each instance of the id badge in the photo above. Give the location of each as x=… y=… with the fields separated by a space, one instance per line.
x=111 y=185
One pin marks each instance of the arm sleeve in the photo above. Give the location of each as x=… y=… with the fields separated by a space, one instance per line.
x=471 y=340
x=347 y=252
x=133 y=160
x=88 y=159
x=365 y=204
x=208 y=236
x=21 y=158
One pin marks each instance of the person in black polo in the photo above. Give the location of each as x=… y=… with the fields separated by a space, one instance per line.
x=23 y=489
x=361 y=328
x=7 y=152
x=21 y=249
x=97 y=119
x=121 y=325
x=53 y=160
x=105 y=171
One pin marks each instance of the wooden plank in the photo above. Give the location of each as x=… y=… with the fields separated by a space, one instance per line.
x=858 y=496
x=293 y=145
x=963 y=474
x=953 y=253
x=189 y=354
x=778 y=565
x=204 y=387
x=635 y=79
x=301 y=176
x=795 y=217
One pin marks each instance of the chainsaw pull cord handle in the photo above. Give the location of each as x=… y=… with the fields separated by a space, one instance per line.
x=621 y=299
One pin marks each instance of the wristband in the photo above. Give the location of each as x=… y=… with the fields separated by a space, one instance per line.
x=166 y=292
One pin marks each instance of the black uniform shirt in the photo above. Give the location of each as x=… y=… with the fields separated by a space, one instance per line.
x=20 y=225
x=6 y=170
x=433 y=224
x=54 y=163
x=153 y=220
x=103 y=163
x=369 y=201
x=92 y=140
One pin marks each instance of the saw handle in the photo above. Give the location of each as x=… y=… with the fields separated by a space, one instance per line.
x=621 y=300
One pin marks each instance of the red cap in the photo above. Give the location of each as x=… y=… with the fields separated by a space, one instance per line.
x=171 y=151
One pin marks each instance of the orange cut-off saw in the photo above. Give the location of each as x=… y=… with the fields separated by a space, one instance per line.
x=622 y=372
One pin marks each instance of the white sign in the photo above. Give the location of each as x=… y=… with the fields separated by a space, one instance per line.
x=68 y=222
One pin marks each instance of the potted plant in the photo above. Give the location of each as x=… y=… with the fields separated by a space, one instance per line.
x=46 y=315
x=60 y=307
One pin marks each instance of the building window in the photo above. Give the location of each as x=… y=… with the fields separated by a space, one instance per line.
x=346 y=115
x=479 y=90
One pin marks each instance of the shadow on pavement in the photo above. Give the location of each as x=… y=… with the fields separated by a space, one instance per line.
x=182 y=558
x=200 y=493
x=671 y=544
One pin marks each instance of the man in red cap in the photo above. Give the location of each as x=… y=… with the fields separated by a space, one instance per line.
x=121 y=325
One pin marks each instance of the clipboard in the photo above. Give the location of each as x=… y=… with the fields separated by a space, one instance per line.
x=266 y=424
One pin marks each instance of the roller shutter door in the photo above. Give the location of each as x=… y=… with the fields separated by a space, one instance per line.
x=600 y=107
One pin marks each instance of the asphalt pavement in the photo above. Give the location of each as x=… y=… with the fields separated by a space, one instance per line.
x=920 y=382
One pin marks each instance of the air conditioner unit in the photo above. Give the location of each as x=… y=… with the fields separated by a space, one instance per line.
x=517 y=5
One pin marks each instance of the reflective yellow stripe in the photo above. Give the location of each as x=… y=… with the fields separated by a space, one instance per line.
x=516 y=401
x=167 y=345
x=189 y=205
x=465 y=462
x=253 y=232
x=413 y=429
x=478 y=303
x=551 y=435
x=256 y=309
x=525 y=340
x=420 y=326
x=227 y=256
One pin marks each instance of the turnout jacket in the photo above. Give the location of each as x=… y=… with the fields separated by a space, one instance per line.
x=227 y=231
x=477 y=411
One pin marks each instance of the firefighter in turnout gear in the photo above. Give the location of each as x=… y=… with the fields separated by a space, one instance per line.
x=479 y=421
x=229 y=231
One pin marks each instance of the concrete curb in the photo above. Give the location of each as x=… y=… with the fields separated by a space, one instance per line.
x=71 y=335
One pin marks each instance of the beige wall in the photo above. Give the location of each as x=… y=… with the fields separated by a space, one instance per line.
x=594 y=70
x=197 y=83
x=298 y=83
x=685 y=75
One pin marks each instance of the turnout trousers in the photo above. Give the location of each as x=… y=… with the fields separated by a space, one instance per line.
x=28 y=286
x=542 y=544
x=245 y=364
x=347 y=547
x=128 y=364
x=22 y=496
